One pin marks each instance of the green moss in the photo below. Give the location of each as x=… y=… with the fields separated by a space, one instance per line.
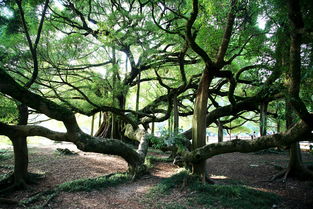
x=166 y=185
x=94 y=183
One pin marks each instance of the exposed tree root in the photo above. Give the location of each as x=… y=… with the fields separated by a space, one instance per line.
x=7 y=181
x=191 y=178
x=301 y=173
x=9 y=184
x=13 y=187
x=8 y=201
x=47 y=195
x=138 y=171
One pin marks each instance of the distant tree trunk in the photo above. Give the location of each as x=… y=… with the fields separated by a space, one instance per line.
x=113 y=124
x=138 y=92
x=278 y=125
x=104 y=128
x=263 y=118
x=169 y=124
x=92 y=124
x=220 y=134
x=100 y=119
x=199 y=122
x=176 y=115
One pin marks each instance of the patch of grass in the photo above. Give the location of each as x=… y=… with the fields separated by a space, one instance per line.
x=5 y=154
x=231 y=196
x=76 y=186
x=94 y=183
x=167 y=185
x=7 y=166
x=213 y=196
x=5 y=176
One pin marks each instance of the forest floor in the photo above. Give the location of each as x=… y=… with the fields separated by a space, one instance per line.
x=252 y=170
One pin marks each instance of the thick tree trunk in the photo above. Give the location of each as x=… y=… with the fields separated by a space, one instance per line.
x=19 y=177
x=21 y=150
x=199 y=123
x=295 y=167
x=20 y=161
x=293 y=101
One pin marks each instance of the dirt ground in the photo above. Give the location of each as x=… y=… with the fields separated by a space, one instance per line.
x=250 y=169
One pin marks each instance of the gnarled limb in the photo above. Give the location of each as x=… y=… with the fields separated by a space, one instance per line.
x=300 y=131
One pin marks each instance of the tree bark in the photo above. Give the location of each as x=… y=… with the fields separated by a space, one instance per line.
x=295 y=167
x=20 y=161
x=293 y=101
x=263 y=118
x=220 y=134
x=176 y=115
x=296 y=25
x=199 y=122
x=20 y=150
x=92 y=124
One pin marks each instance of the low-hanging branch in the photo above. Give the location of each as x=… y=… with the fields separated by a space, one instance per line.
x=74 y=134
x=299 y=132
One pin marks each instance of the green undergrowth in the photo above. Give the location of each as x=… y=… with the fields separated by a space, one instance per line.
x=79 y=185
x=5 y=154
x=99 y=183
x=4 y=176
x=209 y=196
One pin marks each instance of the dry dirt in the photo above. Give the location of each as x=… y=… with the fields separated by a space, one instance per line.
x=250 y=169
